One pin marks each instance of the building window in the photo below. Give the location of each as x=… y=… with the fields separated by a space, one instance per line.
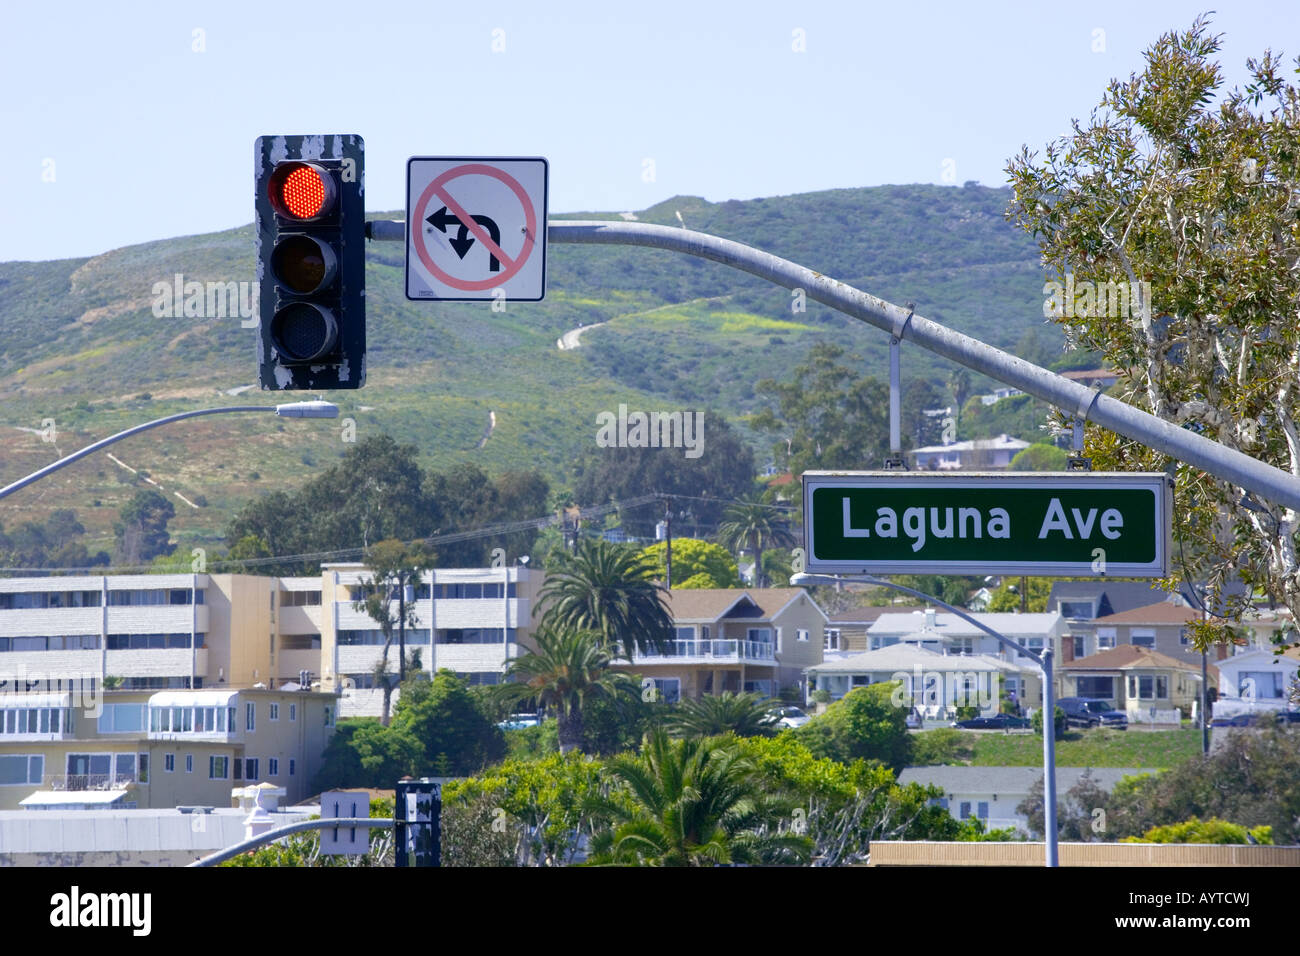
x=218 y=768
x=169 y=763
x=272 y=767
x=189 y=763
x=1105 y=638
x=801 y=634
x=250 y=768
x=1078 y=645
x=293 y=711
x=668 y=689
x=982 y=810
x=1148 y=688
x=965 y=809
x=143 y=764
x=275 y=711
x=292 y=767
x=21 y=769
x=1079 y=610
x=1142 y=638
x=1100 y=687
x=250 y=716
x=329 y=715
x=831 y=639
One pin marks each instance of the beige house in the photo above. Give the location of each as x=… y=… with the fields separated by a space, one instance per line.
x=736 y=639
x=158 y=749
x=1161 y=627
x=1137 y=679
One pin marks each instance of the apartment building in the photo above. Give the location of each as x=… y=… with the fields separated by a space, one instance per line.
x=157 y=749
x=468 y=620
x=736 y=639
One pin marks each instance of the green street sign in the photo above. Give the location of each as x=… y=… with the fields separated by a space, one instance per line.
x=1074 y=524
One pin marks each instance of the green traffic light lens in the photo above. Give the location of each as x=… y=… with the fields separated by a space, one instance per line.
x=303 y=265
x=304 y=332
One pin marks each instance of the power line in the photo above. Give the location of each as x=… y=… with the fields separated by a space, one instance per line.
x=538 y=524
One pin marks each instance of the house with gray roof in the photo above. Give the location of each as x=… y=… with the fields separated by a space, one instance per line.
x=993 y=793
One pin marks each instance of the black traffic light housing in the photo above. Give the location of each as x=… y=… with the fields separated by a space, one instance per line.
x=311 y=261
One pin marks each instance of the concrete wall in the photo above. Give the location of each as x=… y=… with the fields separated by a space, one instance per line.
x=910 y=853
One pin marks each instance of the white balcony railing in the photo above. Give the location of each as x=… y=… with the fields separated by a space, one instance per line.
x=729 y=650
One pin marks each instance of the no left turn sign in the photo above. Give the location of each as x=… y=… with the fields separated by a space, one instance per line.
x=476 y=228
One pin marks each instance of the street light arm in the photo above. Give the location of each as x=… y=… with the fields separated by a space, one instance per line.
x=89 y=449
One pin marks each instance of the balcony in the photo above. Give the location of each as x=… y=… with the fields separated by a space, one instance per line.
x=730 y=651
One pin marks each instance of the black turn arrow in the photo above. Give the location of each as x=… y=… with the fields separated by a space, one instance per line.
x=463 y=241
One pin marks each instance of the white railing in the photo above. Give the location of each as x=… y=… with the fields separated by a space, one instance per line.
x=715 y=650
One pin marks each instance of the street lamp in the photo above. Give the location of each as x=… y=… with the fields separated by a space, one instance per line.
x=314 y=409
x=1044 y=660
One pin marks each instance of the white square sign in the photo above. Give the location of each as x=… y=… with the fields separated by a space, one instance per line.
x=475 y=228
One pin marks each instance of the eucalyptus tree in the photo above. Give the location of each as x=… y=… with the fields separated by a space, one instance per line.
x=1170 y=223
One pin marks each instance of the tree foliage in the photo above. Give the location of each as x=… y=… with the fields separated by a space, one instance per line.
x=612 y=591
x=1170 y=221
x=696 y=564
x=455 y=734
x=54 y=543
x=141 y=531
x=755 y=525
x=864 y=724
x=694 y=802
x=826 y=415
x=724 y=470
x=378 y=492
x=745 y=715
x=564 y=671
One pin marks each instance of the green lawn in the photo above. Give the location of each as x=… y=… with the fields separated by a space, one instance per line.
x=1081 y=748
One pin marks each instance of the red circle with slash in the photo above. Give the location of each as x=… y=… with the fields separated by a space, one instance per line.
x=437 y=188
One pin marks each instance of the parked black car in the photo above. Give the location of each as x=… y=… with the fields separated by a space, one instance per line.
x=1257 y=719
x=1092 y=712
x=996 y=722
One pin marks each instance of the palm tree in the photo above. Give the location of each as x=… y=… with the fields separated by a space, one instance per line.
x=612 y=591
x=691 y=803
x=566 y=670
x=754 y=525
x=745 y=715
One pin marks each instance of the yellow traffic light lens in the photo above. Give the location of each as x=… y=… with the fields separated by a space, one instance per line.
x=302 y=191
x=304 y=332
x=303 y=265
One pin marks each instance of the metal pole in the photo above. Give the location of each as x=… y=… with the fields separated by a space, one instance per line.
x=1049 y=759
x=1205 y=700
x=1070 y=397
x=1044 y=661
x=401 y=627
x=89 y=449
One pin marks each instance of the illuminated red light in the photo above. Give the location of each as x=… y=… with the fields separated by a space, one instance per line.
x=302 y=191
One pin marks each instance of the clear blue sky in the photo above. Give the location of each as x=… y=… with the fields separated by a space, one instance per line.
x=147 y=138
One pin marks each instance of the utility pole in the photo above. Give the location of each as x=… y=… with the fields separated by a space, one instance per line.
x=668 y=551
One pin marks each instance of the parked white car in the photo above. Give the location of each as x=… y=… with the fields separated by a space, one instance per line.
x=792 y=717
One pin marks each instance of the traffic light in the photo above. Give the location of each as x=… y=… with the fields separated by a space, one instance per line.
x=311 y=261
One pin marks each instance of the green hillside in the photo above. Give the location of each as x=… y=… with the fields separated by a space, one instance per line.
x=79 y=344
